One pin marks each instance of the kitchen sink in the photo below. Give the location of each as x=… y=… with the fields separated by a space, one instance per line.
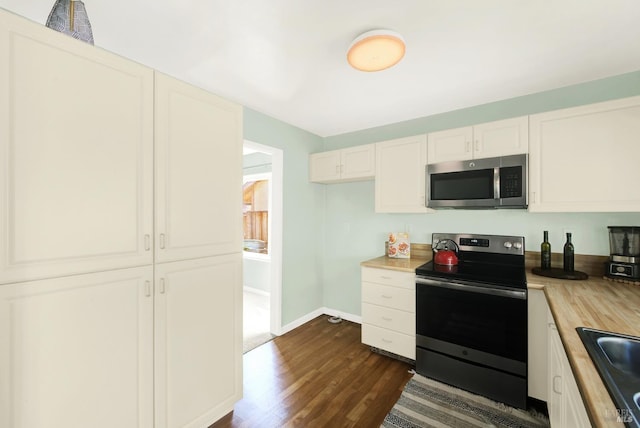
x=617 y=359
x=622 y=353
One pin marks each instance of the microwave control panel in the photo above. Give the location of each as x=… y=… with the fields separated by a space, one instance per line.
x=511 y=182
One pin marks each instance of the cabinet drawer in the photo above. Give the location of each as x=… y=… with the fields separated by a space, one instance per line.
x=393 y=319
x=391 y=297
x=389 y=277
x=388 y=340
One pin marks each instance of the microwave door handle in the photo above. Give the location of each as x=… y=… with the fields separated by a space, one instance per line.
x=496 y=183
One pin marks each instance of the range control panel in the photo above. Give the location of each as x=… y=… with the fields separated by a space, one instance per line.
x=498 y=244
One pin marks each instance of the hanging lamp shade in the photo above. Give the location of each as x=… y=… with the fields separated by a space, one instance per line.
x=70 y=17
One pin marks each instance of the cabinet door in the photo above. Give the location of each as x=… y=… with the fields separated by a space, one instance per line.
x=358 y=163
x=76 y=155
x=537 y=338
x=198 y=172
x=400 y=175
x=78 y=351
x=586 y=158
x=450 y=145
x=501 y=138
x=324 y=167
x=555 y=380
x=198 y=340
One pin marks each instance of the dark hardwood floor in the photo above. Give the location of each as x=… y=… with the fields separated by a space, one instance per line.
x=318 y=375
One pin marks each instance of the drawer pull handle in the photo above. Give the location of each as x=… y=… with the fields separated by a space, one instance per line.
x=386 y=296
x=387 y=319
x=387 y=340
x=557 y=385
x=385 y=277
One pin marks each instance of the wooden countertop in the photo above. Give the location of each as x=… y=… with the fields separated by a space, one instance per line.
x=384 y=262
x=596 y=303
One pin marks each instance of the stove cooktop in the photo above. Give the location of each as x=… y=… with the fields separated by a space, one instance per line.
x=478 y=272
x=496 y=260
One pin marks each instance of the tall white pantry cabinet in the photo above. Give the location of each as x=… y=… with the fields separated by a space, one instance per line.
x=120 y=248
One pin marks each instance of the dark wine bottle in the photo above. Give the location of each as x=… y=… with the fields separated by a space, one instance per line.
x=545 y=252
x=568 y=254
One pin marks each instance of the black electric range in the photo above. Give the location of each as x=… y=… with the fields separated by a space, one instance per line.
x=471 y=319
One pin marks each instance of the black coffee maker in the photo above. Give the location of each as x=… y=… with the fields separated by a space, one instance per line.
x=624 y=261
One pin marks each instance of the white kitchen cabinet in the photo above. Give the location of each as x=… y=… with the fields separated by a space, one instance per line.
x=198 y=140
x=388 y=310
x=77 y=314
x=566 y=408
x=76 y=156
x=537 y=372
x=198 y=340
x=78 y=351
x=499 y=138
x=351 y=164
x=400 y=175
x=586 y=158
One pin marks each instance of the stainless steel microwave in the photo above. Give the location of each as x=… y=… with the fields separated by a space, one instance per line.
x=499 y=182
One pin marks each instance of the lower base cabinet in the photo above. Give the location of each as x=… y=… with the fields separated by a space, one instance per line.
x=198 y=340
x=388 y=311
x=566 y=409
x=118 y=349
x=78 y=351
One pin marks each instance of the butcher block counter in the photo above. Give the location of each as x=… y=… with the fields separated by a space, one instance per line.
x=599 y=304
x=405 y=265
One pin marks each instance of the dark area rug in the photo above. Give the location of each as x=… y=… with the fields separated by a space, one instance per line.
x=428 y=403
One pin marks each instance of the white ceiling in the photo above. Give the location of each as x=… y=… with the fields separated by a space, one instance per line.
x=286 y=58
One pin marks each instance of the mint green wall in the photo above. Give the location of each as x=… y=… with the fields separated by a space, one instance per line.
x=353 y=232
x=624 y=85
x=303 y=216
x=330 y=229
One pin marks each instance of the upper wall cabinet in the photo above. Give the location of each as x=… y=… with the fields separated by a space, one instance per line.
x=400 y=175
x=499 y=138
x=586 y=158
x=76 y=156
x=198 y=138
x=352 y=164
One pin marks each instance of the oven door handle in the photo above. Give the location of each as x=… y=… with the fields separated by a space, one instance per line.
x=514 y=294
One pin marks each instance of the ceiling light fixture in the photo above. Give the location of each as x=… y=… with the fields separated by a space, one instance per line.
x=376 y=50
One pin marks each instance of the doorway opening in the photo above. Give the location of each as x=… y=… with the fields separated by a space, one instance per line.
x=262 y=255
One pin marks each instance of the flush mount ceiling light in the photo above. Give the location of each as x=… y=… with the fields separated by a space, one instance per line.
x=376 y=50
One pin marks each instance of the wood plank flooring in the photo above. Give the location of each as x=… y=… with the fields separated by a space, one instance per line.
x=318 y=375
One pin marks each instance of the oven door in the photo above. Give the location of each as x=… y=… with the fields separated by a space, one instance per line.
x=485 y=326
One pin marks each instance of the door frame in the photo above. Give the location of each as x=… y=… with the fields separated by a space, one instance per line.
x=275 y=232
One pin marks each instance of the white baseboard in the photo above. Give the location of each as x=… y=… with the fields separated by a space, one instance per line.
x=320 y=311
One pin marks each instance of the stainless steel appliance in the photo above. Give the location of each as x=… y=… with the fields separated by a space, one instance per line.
x=624 y=243
x=482 y=183
x=471 y=319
